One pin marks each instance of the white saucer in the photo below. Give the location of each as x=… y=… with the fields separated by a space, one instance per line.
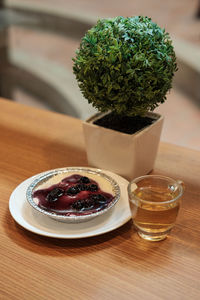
x=33 y=221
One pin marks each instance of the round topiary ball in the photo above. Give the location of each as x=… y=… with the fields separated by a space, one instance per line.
x=125 y=65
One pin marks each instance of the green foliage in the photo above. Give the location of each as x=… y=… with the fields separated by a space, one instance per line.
x=125 y=65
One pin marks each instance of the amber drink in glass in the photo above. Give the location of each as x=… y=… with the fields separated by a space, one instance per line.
x=154 y=202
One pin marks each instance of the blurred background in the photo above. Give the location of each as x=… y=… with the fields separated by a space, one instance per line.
x=38 y=39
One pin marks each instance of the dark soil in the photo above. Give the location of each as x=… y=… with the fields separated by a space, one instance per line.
x=124 y=124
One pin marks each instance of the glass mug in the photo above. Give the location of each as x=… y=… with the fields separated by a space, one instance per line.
x=154 y=202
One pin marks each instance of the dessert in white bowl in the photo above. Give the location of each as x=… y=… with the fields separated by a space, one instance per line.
x=73 y=194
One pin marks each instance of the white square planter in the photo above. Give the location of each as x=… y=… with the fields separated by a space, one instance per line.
x=129 y=155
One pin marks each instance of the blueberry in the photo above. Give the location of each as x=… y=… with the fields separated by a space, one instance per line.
x=93 y=187
x=81 y=187
x=99 y=198
x=89 y=203
x=54 y=194
x=84 y=179
x=72 y=190
x=85 y=204
x=78 y=205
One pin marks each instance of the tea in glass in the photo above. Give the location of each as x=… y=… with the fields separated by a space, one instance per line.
x=154 y=203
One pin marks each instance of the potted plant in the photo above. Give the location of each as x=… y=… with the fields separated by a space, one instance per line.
x=124 y=68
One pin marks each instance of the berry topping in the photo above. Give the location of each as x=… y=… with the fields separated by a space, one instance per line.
x=73 y=195
x=93 y=187
x=84 y=179
x=73 y=190
x=83 y=204
x=98 y=198
x=54 y=195
x=78 y=205
x=81 y=187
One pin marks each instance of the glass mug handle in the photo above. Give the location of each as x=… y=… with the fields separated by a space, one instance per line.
x=180 y=182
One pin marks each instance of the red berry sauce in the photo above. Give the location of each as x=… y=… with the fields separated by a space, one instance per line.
x=74 y=195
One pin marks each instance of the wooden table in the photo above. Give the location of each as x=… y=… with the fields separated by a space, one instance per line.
x=116 y=265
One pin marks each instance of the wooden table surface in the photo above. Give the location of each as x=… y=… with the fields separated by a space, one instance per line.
x=116 y=265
